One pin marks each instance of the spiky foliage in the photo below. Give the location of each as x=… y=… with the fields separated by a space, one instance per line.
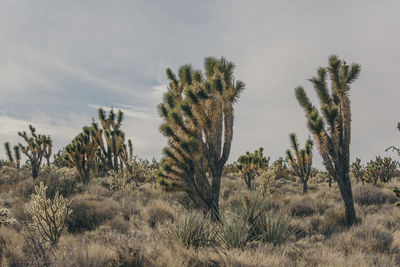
x=358 y=170
x=381 y=169
x=13 y=161
x=396 y=193
x=331 y=126
x=300 y=163
x=34 y=149
x=280 y=168
x=81 y=152
x=48 y=216
x=251 y=164
x=197 y=112
x=110 y=138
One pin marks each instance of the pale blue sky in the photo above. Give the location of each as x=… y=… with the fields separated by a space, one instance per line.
x=59 y=60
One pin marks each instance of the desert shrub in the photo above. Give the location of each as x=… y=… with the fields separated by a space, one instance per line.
x=48 y=215
x=266 y=179
x=234 y=233
x=276 y=228
x=157 y=214
x=9 y=176
x=88 y=213
x=119 y=224
x=12 y=248
x=192 y=230
x=333 y=220
x=302 y=207
x=5 y=220
x=370 y=195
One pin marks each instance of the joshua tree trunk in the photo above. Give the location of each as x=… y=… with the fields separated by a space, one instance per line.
x=35 y=170
x=305 y=187
x=347 y=196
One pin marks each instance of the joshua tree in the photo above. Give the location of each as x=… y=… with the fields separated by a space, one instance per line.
x=110 y=138
x=331 y=130
x=198 y=120
x=47 y=148
x=250 y=164
x=34 y=149
x=358 y=170
x=14 y=163
x=381 y=169
x=81 y=153
x=301 y=163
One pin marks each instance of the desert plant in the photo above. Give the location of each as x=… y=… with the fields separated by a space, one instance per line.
x=234 y=233
x=81 y=153
x=276 y=228
x=250 y=164
x=47 y=148
x=198 y=120
x=301 y=163
x=5 y=220
x=332 y=129
x=17 y=154
x=381 y=169
x=358 y=170
x=111 y=140
x=265 y=179
x=49 y=216
x=192 y=230
x=280 y=168
x=34 y=149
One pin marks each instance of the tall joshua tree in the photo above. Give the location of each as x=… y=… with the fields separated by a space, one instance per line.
x=301 y=163
x=198 y=120
x=110 y=137
x=331 y=130
x=250 y=164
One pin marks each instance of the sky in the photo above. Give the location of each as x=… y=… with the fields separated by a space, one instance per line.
x=61 y=60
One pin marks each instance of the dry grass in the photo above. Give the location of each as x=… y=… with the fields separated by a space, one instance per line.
x=131 y=228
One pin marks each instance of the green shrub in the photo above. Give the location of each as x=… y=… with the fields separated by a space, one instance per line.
x=234 y=233
x=192 y=230
x=88 y=213
x=276 y=229
x=371 y=195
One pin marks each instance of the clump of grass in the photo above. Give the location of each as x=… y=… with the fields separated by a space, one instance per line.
x=193 y=230
x=371 y=195
x=234 y=233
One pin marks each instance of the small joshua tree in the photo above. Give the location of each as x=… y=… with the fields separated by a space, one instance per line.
x=198 y=120
x=49 y=216
x=47 y=148
x=381 y=169
x=34 y=149
x=250 y=164
x=81 y=153
x=332 y=128
x=358 y=170
x=13 y=162
x=300 y=164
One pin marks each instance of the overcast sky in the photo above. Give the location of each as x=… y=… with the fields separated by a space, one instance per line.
x=60 y=60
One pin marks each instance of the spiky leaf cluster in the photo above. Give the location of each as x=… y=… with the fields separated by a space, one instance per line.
x=381 y=169
x=13 y=161
x=250 y=164
x=300 y=161
x=49 y=216
x=197 y=111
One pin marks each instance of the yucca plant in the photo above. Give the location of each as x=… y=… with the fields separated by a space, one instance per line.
x=276 y=228
x=251 y=164
x=34 y=149
x=197 y=112
x=358 y=170
x=332 y=129
x=13 y=161
x=301 y=162
x=193 y=230
x=234 y=232
x=110 y=139
x=81 y=152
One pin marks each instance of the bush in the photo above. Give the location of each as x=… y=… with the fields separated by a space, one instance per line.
x=234 y=233
x=156 y=215
x=9 y=175
x=193 y=230
x=371 y=195
x=88 y=213
x=276 y=229
x=302 y=207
